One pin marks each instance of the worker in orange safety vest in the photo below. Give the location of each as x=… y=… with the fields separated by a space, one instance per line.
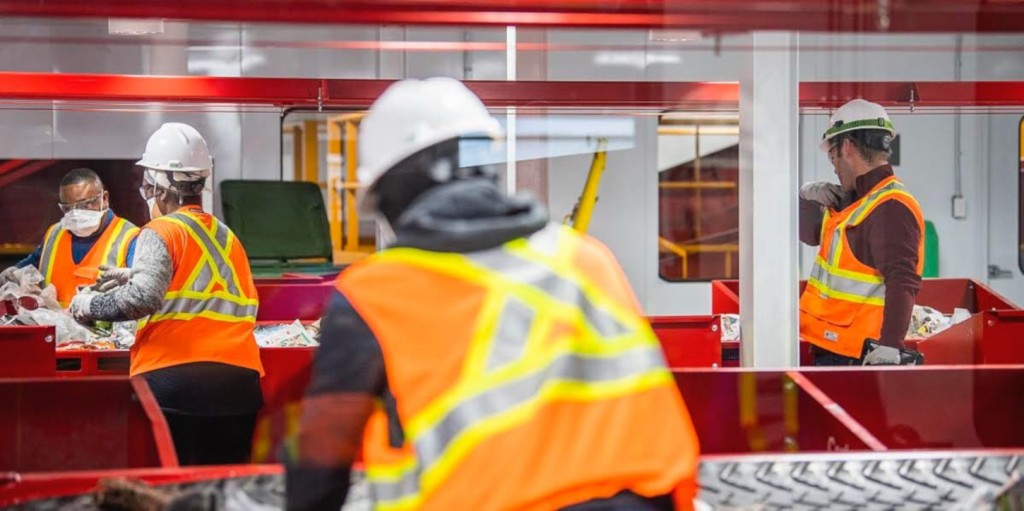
x=89 y=237
x=192 y=291
x=487 y=359
x=870 y=232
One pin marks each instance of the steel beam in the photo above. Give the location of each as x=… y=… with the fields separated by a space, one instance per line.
x=709 y=15
x=769 y=178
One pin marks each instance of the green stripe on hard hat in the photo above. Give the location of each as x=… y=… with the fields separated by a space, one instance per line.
x=880 y=123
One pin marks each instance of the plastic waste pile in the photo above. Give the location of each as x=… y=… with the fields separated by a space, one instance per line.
x=34 y=304
x=926 y=321
x=293 y=334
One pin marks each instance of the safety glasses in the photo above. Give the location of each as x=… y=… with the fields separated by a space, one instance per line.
x=92 y=203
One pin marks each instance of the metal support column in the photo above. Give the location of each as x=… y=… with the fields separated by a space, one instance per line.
x=769 y=156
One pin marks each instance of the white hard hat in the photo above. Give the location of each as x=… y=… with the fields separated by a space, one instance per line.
x=857 y=114
x=178 y=148
x=413 y=115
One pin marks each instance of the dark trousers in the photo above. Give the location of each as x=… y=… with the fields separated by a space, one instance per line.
x=212 y=440
x=823 y=357
x=625 y=501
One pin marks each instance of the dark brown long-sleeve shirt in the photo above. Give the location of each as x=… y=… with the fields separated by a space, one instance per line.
x=887 y=240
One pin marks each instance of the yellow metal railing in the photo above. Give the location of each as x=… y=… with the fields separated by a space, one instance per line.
x=684 y=251
x=343 y=182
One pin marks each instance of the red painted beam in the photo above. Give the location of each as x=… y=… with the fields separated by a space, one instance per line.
x=716 y=16
x=355 y=93
x=299 y=92
x=920 y=94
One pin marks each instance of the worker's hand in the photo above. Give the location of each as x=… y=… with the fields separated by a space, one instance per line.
x=887 y=355
x=829 y=195
x=80 y=307
x=111 y=278
x=7 y=275
x=883 y=356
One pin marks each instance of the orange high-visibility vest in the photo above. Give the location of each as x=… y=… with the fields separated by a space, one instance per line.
x=209 y=310
x=844 y=300
x=524 y=377
x=59 y=268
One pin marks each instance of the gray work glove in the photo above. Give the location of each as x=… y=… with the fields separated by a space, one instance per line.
x=111 y=278
x=829 y=195
x=889 y=356
x=8 y=275
x=79 y=308
x=883 y=356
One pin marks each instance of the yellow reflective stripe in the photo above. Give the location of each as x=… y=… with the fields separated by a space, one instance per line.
x=554 y=390
x=844 y=296
x=112 y=241
x=50 y=251
x=870 y=204
x=483 y=335
x=228 y=242
x=455 y=265
x=122 y=249
x=184 y=316
x=866 y=278
x=223 y=295
x=207 y=257
x=470 y=437
x=175 y=306
x=563 y=266
x=434 y=412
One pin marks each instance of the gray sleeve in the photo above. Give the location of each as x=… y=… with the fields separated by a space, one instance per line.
x=811 y=216
x=144 y=293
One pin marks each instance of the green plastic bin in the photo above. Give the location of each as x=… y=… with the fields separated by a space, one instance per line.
x=279 y=223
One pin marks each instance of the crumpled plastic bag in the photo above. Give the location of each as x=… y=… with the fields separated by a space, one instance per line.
x=39 y=306
x=28 y=282
x=67 y=328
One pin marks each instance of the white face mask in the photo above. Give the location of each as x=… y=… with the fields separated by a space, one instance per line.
x=83 y=222
x=153 y=210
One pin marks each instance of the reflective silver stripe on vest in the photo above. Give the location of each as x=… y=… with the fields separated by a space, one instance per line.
x=895 y=185
x=510 y=334
x=833 y=249
x=223 y=267
x=183 y=305
x=216 y=305
x=432 y=443
x=113 y=256
x=49 y=246
x=541 y=277
x=842 y=284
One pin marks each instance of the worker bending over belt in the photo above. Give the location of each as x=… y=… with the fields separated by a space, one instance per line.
x=89 y=238
x=869 y=228
x=192 y=291
x=488 y=359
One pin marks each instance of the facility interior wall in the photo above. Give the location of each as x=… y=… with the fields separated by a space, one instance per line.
x=247 y=143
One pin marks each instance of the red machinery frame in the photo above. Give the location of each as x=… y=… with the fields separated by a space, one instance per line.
x=707 y=15
x=312 y=92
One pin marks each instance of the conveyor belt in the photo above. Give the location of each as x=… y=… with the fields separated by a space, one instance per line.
x=836 y=481
x=899 y=480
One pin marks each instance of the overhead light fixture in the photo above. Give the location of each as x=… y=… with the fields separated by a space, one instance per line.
x=130 y=26
x=674 y=36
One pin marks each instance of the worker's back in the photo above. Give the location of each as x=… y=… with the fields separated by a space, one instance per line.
x=524 y=377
